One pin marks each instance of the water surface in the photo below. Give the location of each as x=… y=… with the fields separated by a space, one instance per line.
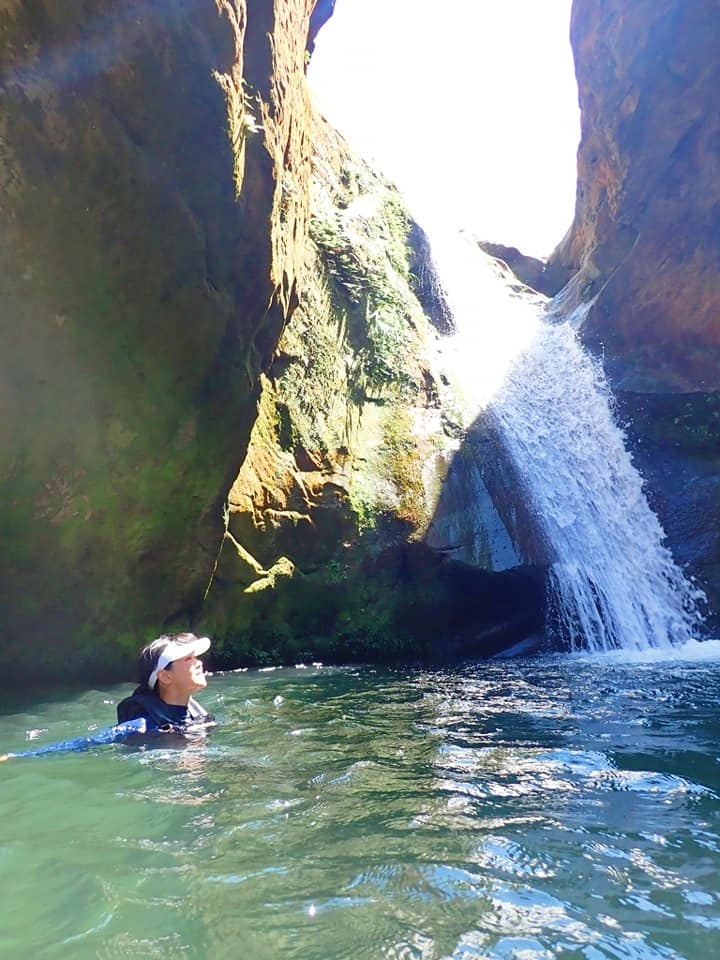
x=514 y=809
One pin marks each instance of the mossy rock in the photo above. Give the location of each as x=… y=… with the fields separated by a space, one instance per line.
x=141 y=301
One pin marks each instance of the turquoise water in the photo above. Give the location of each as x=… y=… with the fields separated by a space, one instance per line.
x=558 y=807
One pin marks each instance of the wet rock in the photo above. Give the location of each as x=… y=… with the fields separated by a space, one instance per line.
x=529 y=270
x=675 y=443
x=346 y=474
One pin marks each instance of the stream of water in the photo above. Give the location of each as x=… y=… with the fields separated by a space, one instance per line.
x=613 y=582
x=555 y=807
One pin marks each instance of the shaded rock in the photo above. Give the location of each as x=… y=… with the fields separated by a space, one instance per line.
x=237 y=565
x=425 y=283
x=675 y=441
x=154 y=186
x=466 y=524
x=404 y=604
x=529 y=270
x=492 y=612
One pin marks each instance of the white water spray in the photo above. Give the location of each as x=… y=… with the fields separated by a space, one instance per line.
x=613 y=582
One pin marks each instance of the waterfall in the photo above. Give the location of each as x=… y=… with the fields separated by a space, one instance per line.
x=612 y=580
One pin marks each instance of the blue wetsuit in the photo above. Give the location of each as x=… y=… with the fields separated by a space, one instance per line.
x=163 y=717
x=141 y=713
x=122 y=731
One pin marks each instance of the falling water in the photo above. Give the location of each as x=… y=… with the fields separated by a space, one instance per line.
x=612 y=581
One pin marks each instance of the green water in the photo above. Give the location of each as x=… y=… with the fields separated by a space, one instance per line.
x=536 y=809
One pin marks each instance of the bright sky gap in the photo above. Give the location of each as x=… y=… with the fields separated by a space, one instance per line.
x=469 y=107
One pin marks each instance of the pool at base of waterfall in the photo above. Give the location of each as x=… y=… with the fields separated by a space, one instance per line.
x=564 y=806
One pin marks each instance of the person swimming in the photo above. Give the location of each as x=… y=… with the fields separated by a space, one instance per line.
x=171 y=671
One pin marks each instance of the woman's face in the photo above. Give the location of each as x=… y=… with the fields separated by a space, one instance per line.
x=185 y=676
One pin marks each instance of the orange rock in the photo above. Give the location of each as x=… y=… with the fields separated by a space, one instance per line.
x=645 y=240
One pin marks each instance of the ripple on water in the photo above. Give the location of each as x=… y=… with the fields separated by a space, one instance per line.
x=552 y=808
x=500 y=855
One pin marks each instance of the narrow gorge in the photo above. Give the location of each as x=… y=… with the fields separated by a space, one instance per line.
x=224 y=403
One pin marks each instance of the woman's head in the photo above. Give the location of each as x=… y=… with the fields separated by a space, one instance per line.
x=173 y=659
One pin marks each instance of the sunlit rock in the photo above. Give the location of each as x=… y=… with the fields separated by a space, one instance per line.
x=346 y=475
x=644 y=246
x=219 y=397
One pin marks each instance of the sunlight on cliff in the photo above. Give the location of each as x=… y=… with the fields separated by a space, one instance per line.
x=471 y=108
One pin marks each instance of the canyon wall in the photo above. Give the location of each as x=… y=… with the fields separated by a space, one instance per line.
x=154 y=190
x=219 y=403
x=333 y=548
x=644 y=249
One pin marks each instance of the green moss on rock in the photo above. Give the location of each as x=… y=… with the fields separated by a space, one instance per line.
x=337 y=478
x=141 y=301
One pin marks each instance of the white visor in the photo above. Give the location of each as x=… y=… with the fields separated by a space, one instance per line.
x=176 y=651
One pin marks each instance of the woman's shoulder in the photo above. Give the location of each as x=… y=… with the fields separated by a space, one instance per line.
x=140 y=703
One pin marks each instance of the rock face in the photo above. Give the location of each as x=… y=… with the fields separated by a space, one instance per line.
x=328 y=553
x=675 y=440
x=529 y=270
x=645 y=242
x=154 y=194
x=219 y=402
x=216 y=411
x=644 y=249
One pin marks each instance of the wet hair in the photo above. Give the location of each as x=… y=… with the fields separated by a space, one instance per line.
x=151 y=653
